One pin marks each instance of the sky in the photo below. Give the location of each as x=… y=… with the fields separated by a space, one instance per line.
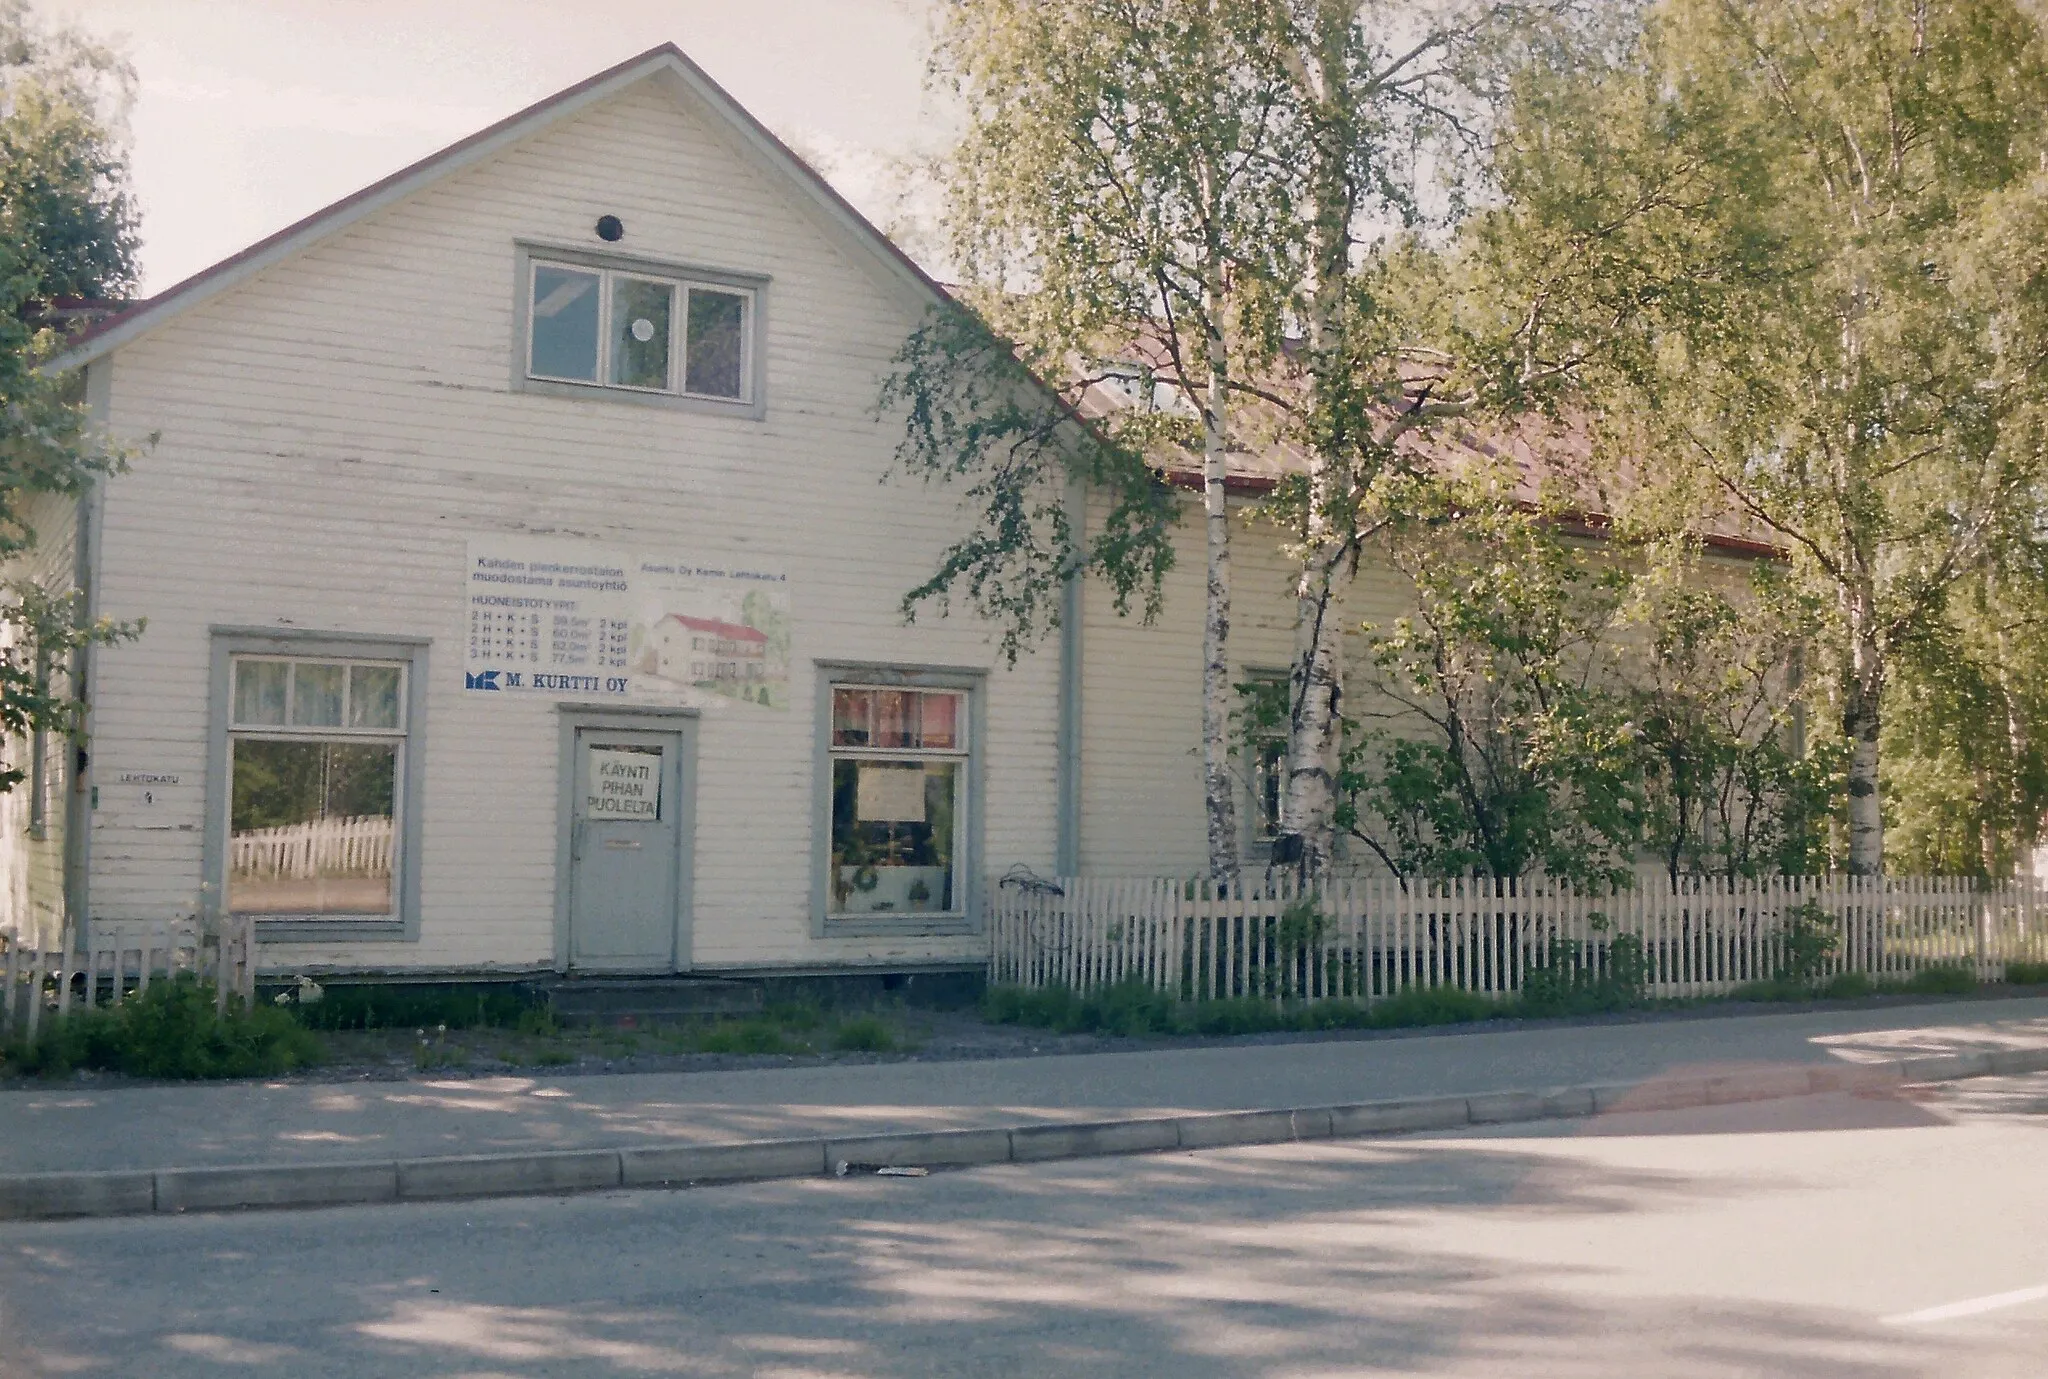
x=253 y=113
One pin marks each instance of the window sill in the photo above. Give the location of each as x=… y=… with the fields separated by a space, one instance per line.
x=679 y=402
x=329 y=929
x=911 y=926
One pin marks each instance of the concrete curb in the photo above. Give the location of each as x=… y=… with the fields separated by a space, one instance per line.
x=45 y=1196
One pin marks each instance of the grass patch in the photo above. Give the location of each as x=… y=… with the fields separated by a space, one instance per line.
x=760 y=1036
x=864 y=1034
x=2027 y=973
x=1567 y=986
x=1135 y=1010
x=170 y=1031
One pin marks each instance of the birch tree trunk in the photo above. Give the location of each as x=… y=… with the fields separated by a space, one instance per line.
x=1218 y=788
x=1862 y=719
x=1316 y=681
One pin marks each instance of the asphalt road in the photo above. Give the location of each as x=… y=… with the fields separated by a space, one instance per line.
x=1821 y=1238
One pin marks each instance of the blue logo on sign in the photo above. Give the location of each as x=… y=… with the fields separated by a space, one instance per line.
x=480 y=680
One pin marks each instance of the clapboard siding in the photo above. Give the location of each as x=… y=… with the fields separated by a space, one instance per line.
x=335 y=428
x=32 y=869
x=1141 y=771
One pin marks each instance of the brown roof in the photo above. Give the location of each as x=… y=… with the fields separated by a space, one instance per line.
x=1553 y=461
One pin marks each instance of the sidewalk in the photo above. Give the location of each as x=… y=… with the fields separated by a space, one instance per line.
x=73 y=1128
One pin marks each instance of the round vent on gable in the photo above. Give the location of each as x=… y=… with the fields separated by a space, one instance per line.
x=610 y=229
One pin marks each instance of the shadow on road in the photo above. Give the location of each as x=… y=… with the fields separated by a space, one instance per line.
x=1294 y=1261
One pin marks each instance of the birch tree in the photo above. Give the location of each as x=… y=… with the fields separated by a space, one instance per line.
x=67 y=230
x=1107 y=205
x=1864 y=383
x=1381 y=108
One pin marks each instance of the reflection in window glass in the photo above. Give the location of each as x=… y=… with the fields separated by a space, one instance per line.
x=640 y=332
x=1269 y=782
x=260 y=691
x=852 y=716
x=893 y=836
x=938 y=725
x=373 y=697
x=895 y=718
x=564 y=323
x=716 y=345
x=316 y=694
x=311 y=826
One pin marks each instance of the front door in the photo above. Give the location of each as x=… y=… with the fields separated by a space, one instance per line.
x=626 y=850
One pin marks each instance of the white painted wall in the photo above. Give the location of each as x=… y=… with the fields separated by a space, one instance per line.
x=332 y=431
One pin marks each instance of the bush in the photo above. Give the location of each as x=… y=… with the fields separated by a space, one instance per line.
x=457 y=1005
x=1437 y=1005
x=2027 y=973
x=1946 y=980
x=1805 y=945
x=741 y=1036
x=171 y=1031
x=1131 y=1008
x=864 y=1034
x=1847 y=986
x=1587 y=978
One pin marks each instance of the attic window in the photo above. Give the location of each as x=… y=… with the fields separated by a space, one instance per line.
x=639 y=332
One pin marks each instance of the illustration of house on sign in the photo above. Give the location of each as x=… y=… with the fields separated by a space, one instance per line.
x=707 y=651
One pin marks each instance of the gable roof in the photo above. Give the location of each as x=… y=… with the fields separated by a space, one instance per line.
x=664 y=62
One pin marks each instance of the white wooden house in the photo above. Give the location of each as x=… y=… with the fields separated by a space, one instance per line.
x=523 y=590
x=431 y=469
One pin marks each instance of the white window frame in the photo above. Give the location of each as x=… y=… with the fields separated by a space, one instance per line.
x=233 y=647
x=961 y=753
x=968 y=807
x=680 y=285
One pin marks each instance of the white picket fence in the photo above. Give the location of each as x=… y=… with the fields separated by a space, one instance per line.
x=356 y=846
x=1368 y=938
x=39 y=983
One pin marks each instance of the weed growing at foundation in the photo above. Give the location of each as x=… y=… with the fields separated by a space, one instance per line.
x=169 y=1031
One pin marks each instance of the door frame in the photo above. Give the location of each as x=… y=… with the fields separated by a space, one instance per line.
x=577 y=718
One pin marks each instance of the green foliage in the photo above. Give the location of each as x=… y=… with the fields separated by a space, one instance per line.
x=67 y=230
x=742 y=1036
x=1944 y=980
x=170 y=1031
x=1823 y=222
x=1584 y=978
x=864 y=1034
x=1134 y=1010
x=1731 y=786
x=973 y=413
x=1806 y=945
x=2027 y=973
x=452 y=1005
x=1511 y=752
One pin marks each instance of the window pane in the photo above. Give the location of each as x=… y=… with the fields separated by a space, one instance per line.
x=564 y=324
x=311 y=827
x=316 y=694
x=1269 y=783
x=893 y=831
x=717 y=343
x=373 y=696
x=895 y=718
x=640 y=332
x=259 y=691
x=852 y=717
x=939 y=722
